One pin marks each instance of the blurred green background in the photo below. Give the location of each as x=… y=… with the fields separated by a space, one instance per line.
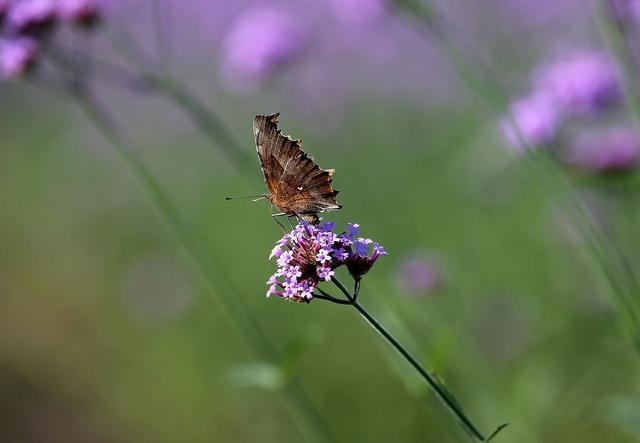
x=108 y=335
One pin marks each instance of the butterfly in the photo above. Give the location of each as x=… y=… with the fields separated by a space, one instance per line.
x=297 y=186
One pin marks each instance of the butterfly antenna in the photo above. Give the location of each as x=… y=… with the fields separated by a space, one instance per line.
x=255 y=197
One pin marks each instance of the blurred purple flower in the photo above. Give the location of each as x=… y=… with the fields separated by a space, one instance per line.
x=260 y=43
x=627 y=10
x=419 y=274
x=80 y=12
x=17 y=56
x=611 y=150
x=358 y=12
x=581 y=82
x=533 y=122
x=29 y=16
x=310 y=254
x=4 y=8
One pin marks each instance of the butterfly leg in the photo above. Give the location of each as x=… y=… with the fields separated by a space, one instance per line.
x=289 y=220
x=279 y=214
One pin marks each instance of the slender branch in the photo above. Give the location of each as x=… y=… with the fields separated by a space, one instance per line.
x=331 y=299
x=496 y=432
x=615 y=39
x=346 y=293
x=209 y=123
x=443 y=394
x=484 y=82
x=161 y=25
x=108 y=72
x=205 y=119
x=313 y=425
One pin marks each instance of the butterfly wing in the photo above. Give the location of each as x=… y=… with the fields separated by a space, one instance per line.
x=296 y=184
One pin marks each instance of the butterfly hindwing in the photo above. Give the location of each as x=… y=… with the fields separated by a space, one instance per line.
x=296 y=184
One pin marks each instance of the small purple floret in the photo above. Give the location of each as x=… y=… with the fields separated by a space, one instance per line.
x=610 y=150
x=308 y=255
x=582 y=82
x=80 y=12
x=29 y=16
x=533 y=122
x=419 y=274
x=17 y=56
x=260 y=43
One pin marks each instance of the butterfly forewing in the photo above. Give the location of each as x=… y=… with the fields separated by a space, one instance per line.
x=296 y=184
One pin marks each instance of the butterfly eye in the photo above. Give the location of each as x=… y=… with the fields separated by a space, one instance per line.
x=300 y=188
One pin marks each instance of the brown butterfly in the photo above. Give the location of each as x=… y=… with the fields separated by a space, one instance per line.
x=296 y=185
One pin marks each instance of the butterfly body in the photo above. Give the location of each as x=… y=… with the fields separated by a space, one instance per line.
x=296 y=185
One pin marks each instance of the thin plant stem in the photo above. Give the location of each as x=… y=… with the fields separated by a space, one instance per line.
x=204 y=118
x=475 y=75
x=615 y=39
x=442 y=393
x=239 y=317
x=162 y=27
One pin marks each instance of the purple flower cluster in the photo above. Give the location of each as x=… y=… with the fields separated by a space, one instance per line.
x=25 y=23
x=627 y=10
x=259 y=43
x=532 y=120
x=579 y=84
x=614 y=149
x=419 y=274
x=582 y=83
x=310 y=254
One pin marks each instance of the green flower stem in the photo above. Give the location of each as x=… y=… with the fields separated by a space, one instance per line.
x=209 y=123
x=442 y=393
x=239 y=316
x=614 y=37
x=204 y=118
x=483 y=82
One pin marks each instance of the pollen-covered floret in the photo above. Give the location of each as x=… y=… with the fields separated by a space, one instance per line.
x=310 y=254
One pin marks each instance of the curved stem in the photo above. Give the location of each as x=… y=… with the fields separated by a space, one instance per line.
x=480 y=78
x=442 y=393
x=241 y=320
x=207 y=121
x=614 y=37
x=332 y=299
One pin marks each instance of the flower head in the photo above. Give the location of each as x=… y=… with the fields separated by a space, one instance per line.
x=419 y=274
x=614 y=149
x=582 y=82
x=80 y=12
x=309 y=255
x=261 y=42
x=4 y=8
x=533 y=122
x=627 y=10
x=31 y=16
x=17 y=56
x=23 y=26
x=360 y=262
